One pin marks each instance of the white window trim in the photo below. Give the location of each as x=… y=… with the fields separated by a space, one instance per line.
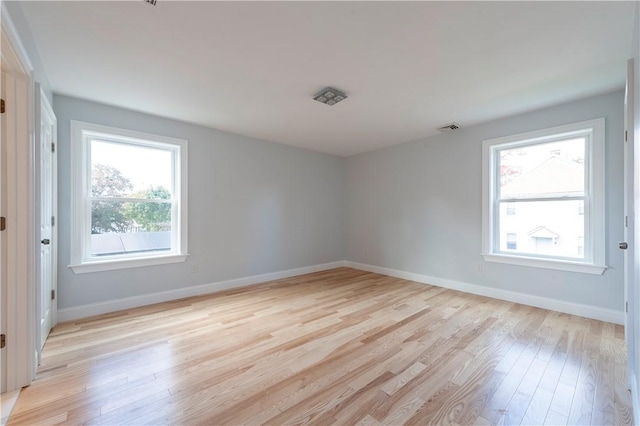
x=80 y=172
x=595 y=259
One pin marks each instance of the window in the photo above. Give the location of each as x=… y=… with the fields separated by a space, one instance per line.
x=129 y=198
x=548 y=176
x=580 y=246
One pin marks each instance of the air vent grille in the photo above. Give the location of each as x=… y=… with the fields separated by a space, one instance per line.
x=330 y=96
x=449 y=127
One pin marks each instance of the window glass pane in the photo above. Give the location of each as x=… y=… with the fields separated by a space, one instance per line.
x=133 y=227
x=130 y=171
x=543 y=227
x=544 y=170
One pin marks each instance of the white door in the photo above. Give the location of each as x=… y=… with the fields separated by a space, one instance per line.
x=48 y=240
x=630 y=185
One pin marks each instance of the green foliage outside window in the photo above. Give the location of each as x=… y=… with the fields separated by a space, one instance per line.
x=119 y=216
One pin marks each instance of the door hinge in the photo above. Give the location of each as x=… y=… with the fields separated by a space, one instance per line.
x=53 y=221
x=626 y=306
x=1 y=106
x=625 y=135
x=3 y=341
x=626 y=221
x=53 y=295
x=3 y=223
x=53 y=147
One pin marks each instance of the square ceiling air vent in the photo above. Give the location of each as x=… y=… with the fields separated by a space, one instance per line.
x=330 y=96
x=449 y=127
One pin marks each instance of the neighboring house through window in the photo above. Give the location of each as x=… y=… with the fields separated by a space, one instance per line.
x=554 y=178
x=129 y=198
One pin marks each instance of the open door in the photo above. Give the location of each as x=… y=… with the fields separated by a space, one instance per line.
x=630 y=185
x=46 y=306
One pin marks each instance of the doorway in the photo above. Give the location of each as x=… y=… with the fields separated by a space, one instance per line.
x=46 y=285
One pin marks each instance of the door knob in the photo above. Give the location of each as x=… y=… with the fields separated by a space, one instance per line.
x=623 y=246
x=45 y=241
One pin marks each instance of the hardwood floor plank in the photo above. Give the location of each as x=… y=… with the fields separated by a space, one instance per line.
x=403 y=378
x=404 y=411
x=585 y=388
x=334 y=347
x=538 y=407
x=562 y=399
x=555 y=419
x=604 y=411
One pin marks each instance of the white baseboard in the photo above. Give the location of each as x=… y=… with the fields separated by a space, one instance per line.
x=83 y=311
x=587 y=311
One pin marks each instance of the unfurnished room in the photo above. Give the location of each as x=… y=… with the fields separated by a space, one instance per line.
x=324 y=212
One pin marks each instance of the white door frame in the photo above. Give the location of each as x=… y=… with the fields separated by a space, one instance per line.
x=21 y=224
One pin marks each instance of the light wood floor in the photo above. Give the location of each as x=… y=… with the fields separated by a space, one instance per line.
x=340 y=346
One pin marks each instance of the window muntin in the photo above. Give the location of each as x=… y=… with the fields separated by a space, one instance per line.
x=129 y=199
x=554 y=179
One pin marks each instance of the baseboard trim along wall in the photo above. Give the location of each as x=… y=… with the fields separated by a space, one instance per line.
x=83 y=311
x=587 y=311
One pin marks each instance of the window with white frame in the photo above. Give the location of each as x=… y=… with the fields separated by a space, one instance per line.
x=555 y=179
x=128 y=198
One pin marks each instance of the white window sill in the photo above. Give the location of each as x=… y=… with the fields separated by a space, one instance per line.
x=561 y=265
x=113 y=264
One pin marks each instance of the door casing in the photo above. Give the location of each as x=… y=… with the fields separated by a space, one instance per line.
x=18 y=179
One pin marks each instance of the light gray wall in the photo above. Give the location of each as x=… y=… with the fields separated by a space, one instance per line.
x=24 y=32
x=416 y=207
x=254 y=207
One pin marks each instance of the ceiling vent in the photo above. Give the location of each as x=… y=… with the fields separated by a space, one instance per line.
x=330 y=96
x=449 y=127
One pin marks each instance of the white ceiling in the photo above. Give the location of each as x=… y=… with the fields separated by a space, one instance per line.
x=408 y=67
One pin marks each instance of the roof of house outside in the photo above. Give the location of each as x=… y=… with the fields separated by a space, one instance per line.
x=555 y=177
x=113 y=243
x=542 y=232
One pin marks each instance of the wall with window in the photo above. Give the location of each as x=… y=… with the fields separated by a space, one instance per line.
x=254 y=207
x=417 y=207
